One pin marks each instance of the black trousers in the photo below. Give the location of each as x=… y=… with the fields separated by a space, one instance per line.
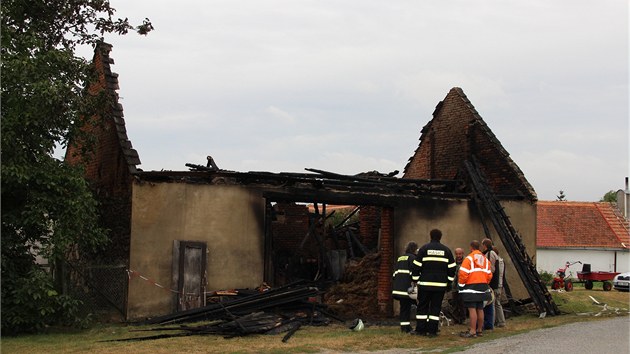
x=428 y=314
x=405 y=313
x=459 y=310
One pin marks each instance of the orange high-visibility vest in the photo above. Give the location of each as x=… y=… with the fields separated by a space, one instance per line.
x=475 y=269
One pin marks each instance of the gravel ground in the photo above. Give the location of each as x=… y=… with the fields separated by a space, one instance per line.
x=601 y=337
x=607 y=336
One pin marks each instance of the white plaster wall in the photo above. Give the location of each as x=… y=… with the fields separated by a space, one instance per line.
x=229 y=219
x=623 y=262
x=460 y=225
x=552 y=259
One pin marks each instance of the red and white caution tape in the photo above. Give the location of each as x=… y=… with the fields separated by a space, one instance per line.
x=133 y=273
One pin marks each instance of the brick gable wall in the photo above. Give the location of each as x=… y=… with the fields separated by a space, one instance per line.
x=456 y=133
x=502 y=174
x=106 y=163
x=444 y=143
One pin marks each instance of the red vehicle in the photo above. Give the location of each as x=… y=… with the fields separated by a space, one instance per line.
x=588 y=277
x=559 y=281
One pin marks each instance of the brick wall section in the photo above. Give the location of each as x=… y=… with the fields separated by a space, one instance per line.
x=110 y=161
x=384 y=291
x=292 y=223
x=457 y=132
x=290 y=226
x=448 y=128
x=290 y=261
x=104 y=166
x=370 y=223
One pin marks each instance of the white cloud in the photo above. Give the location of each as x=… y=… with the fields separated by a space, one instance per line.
x=582 y=177
x=425 y=84
x=277 y=113
x=344 y=162
x=344 y=86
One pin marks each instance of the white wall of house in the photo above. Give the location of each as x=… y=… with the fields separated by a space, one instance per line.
x=550 y=260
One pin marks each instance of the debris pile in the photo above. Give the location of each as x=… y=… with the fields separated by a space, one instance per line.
x=450 y=312
x=354 y=295
x=606 y=310
x=272 y=311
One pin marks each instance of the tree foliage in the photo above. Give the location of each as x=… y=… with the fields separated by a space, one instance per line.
x=47 y=206
x=610 y=196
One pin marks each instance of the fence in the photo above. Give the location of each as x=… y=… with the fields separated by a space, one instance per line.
x=101 y=288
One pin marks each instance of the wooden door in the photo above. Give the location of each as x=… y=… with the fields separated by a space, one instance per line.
x=191 y=274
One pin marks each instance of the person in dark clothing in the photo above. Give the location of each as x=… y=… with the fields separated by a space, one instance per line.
x=459 y=310
x=402 y=284
x=499 y=316
x=434 y=269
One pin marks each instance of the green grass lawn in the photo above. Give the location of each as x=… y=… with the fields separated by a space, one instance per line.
x=576 y=306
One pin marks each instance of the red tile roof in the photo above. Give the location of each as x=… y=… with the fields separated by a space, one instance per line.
x=580 y=224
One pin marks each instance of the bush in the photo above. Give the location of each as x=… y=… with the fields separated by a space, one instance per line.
x=30 y=304
x=340 y=215
x=546 y=277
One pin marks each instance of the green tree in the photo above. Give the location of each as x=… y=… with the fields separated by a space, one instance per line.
x=610 y=196
x=47 y=206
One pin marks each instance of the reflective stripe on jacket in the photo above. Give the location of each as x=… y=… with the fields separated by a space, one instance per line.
x=475 y=269
x=434 y=267
x=473 y=278
x=402 y=275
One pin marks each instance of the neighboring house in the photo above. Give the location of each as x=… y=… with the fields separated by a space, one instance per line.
x=191 y=232
x=595 y=233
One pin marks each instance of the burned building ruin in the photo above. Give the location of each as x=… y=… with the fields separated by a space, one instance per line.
x=178 y=235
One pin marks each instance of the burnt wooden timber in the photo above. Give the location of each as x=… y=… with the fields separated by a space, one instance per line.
x=342 y=222
x=322 y=187
x=353 y=196
x=485 y=198
x=358 y=243
x=486 y=230
x=270 y=312
x=349 y=243
x=284 y=295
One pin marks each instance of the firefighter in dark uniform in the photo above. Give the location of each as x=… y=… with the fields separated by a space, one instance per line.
x=434 y=269
x=402 y=283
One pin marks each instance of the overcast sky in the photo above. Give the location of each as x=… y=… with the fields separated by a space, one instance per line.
x=346 y=86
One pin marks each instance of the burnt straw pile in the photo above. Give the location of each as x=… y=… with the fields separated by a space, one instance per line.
x=354 y=296
x=272 y=311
